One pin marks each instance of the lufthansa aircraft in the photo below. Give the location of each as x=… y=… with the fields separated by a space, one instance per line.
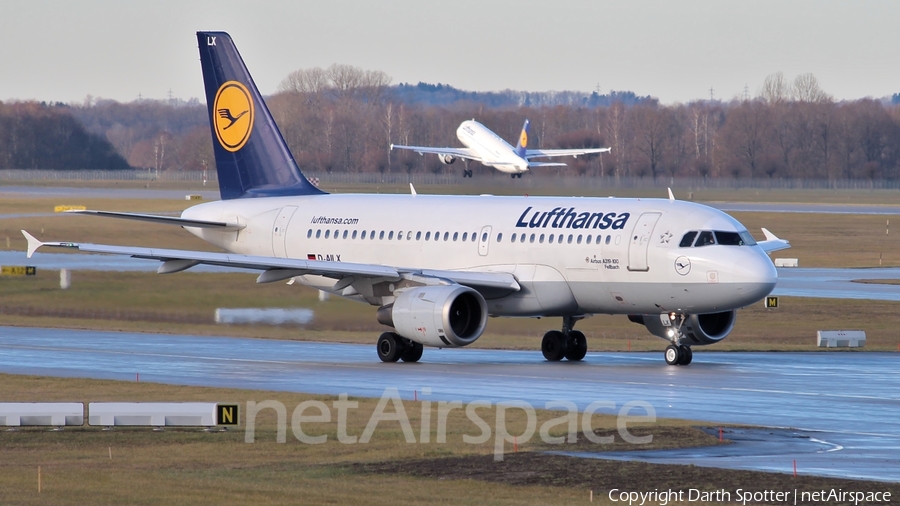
x=483 y=145
x=437 y=266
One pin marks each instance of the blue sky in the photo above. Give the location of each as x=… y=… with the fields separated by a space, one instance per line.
x=60 y=50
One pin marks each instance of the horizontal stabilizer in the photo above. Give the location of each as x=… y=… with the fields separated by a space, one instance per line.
x=534 y=165
x=166 y=220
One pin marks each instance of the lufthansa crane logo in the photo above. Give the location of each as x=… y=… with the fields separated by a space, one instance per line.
x=233 y=115
x=523 y=139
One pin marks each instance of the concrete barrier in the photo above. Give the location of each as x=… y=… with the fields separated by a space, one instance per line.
x=787 y=262
x=841 y=338
x=51 y=414
x=152 y=414
x=267 y=316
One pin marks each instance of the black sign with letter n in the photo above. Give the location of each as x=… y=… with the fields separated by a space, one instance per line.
x=227 y=414
x=771 y=302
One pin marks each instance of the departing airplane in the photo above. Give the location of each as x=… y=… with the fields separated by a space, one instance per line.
x=483 y=145
x=437 y=266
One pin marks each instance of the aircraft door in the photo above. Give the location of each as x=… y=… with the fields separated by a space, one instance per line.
x=279 y=231
x=484 y=239
x=640 y=242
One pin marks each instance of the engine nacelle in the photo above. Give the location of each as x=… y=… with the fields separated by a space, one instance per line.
x=442 y=316
x=447 y=159
x=697 y=329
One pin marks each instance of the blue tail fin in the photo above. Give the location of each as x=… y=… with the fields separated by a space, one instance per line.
x=252 y=158
x=522 y=146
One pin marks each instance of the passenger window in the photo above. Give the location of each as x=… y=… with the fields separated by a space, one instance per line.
x=474 y=235
x=688 y=239
x=587 y=239
x=345 y=233
x=327 y=233
x=318 y=234
x=704 y=239
x=372 y=236
x=465 y=236
x=427 y=236
x=354 y=234
x=522 y=238
x=559 y=239
x=419 y=235
x=381 y=235
x=570 y=239
x=390 y=235
x=513 y=238
x=578 y=240
x=309 y=233
x=484 y=237
x=363 y=236
x=455 y=236
x=608 y=238
x=532 y=238
x=550 y=240
x=541 y=239
x=499 y=237
x=446 y=236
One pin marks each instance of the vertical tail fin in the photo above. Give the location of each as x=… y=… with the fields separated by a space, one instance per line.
x=522 y=146
x=252 y=159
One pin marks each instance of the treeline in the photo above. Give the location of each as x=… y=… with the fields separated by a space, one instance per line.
x=41 y=136
x=344 y=119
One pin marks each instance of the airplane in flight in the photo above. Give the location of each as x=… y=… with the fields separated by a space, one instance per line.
x=437 y=266
x=483 y=145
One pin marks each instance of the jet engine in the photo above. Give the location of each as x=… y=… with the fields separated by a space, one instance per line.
x=447 y=159
x=697 y=329
x=445 y=316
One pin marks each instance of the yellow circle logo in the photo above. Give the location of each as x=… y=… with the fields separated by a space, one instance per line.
x=523 y=140
x=233 y=115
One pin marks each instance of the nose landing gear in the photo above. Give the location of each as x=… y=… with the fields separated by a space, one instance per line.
x=677 y=353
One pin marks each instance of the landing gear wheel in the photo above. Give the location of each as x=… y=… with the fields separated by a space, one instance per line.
x=554 y=346
x=576 y=348
x=467 y=173
x=686 y=355
x=512 y=176
x=389 y=346
x=412 y=352
x=673 y=355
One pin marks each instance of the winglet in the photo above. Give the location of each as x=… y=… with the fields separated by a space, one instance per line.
x=769 y=235
x=412 y=190
x=671 y=196
x=33 y=243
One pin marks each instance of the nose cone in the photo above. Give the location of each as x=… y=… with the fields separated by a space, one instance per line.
x=756 y=273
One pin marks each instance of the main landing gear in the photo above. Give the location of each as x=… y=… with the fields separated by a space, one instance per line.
x=569 y=343
x=677 y=353
x=392 y=347
x=467 y=173
x=516 y=175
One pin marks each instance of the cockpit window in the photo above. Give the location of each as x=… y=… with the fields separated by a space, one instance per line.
x=704 y=239
x=688 y=239
x=748 y=239
x=728 y=238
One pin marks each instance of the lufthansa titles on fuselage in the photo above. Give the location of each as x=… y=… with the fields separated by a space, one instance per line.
x=562 y=217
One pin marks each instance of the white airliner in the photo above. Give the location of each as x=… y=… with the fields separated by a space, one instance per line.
x=483 y=145
x=437 y=266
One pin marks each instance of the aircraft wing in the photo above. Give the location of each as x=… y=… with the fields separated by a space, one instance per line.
x=277 y=269
x=772 y=242
x=537 y=153
x=167 y=220
x=457 y=152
